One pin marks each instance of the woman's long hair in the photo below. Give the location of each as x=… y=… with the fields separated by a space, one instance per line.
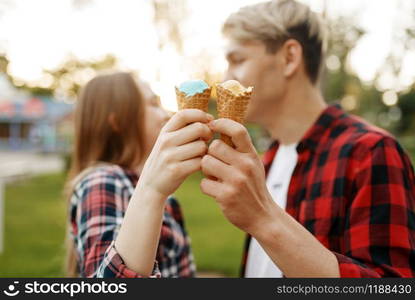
x=109 y=128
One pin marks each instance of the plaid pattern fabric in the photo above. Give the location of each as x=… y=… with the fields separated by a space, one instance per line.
x=353 y=189
x=97 y=208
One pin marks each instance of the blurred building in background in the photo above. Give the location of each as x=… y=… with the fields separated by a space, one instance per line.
x=32 y=123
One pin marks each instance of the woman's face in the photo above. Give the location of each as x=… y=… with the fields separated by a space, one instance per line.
x=155 y=115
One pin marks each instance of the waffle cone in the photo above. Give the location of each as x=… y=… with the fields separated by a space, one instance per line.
x=232 y=106
x=198 y=101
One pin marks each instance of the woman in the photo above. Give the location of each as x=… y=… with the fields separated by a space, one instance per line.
x=122 y=225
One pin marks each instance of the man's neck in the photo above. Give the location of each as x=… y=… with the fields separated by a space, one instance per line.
x=296 y=113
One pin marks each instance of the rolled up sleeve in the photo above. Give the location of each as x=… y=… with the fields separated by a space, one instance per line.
x=379 y=240
x=98 y=206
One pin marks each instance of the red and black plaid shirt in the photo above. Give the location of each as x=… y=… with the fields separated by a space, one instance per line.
x=353 y=189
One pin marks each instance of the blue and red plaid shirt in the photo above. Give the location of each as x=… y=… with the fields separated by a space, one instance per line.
x=97 y=208
x=353 y=189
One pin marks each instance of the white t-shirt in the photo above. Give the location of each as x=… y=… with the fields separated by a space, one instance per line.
x=278 y=181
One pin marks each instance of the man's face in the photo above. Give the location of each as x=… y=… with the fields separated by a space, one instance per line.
x=251 y=65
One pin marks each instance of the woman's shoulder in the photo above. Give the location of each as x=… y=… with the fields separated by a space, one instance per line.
x=105 y=175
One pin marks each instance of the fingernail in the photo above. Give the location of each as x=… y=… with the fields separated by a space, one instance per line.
x=210 y=117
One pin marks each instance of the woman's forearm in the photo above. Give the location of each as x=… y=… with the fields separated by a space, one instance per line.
x=139 y=234
x=295 y=250
x=175 y=155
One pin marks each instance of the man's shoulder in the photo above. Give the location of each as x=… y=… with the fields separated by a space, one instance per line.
x=355 y=132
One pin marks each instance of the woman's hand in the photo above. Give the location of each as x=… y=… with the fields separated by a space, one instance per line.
x=177 y=152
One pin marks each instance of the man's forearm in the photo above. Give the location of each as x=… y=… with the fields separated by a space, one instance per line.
x=293 y=249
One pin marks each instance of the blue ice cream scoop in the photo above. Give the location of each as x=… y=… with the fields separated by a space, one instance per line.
x=193 y=87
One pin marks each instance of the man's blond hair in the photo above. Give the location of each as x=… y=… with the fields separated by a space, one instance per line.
x=275 y=22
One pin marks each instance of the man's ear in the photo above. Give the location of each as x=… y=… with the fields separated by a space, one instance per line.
x=292 y=54
x=112 y=120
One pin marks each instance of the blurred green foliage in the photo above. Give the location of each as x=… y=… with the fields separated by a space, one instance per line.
x=66 y=79
x=387 y=106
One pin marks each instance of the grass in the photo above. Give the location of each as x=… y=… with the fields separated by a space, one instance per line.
x=217 y=244
x=35 y=226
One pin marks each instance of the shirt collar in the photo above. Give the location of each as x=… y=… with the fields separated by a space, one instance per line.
x=324 y=122
x=314 y=134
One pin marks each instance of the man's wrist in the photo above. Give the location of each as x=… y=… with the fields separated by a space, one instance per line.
x=269 y=229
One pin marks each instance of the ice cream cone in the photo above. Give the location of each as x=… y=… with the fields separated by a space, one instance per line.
x=232 y=106
x=198 y=101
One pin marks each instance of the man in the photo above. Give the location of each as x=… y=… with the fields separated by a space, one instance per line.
x=338 y=197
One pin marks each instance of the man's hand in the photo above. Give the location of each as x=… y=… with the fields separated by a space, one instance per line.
x=236 y=178
x=241 y=192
